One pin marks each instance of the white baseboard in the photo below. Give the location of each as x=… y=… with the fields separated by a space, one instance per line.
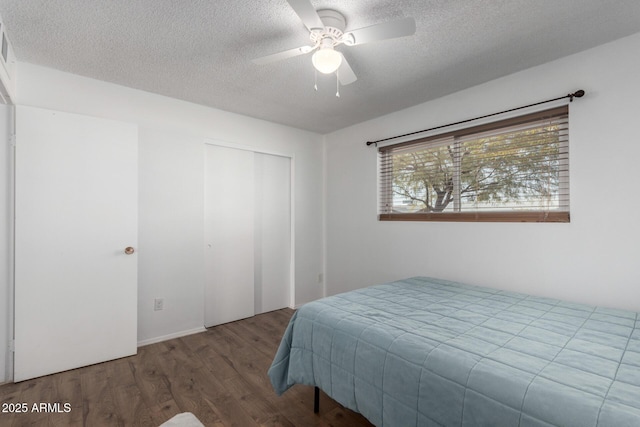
x=171 y=336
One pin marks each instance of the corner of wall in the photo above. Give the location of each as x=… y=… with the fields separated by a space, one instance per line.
x=6 y=237
x=324 y=215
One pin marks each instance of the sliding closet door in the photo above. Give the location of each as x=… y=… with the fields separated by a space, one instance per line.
x=248 y=233
x=229 y=222
x=272 y=232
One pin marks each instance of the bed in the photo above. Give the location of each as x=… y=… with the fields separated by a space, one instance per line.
x=428 y=352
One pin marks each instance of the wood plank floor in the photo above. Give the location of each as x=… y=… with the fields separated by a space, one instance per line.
x=220 y=375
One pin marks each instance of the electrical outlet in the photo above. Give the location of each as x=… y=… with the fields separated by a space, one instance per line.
x=158 y=304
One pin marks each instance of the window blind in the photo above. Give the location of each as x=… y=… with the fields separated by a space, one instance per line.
x=515 y=169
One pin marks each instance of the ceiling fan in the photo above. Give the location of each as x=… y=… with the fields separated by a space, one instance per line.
x=327 y=30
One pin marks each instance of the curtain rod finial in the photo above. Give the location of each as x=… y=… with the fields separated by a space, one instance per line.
x=371 y=142
x=576 y=94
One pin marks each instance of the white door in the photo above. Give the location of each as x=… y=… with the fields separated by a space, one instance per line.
x=273 y=232
x=76 y=212
x=229 y=251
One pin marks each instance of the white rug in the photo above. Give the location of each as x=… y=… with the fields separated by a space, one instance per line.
x=185 y=419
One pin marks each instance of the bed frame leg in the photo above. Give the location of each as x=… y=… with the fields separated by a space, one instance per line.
x=316 y=400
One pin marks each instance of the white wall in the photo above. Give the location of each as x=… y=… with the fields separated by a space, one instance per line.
x=171 y=147
x=6 y=247
x=594 y=259
x=170 y=232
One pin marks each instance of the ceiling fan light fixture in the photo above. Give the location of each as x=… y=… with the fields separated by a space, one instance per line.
x=326 y=60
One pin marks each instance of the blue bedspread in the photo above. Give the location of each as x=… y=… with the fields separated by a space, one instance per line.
x=426 y=352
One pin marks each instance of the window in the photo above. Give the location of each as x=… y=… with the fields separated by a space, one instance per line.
x=514 y=170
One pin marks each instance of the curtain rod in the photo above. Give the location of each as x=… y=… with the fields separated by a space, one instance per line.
x=576 y=94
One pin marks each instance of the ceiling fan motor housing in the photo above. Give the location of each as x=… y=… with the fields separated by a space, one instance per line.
x=334 y=25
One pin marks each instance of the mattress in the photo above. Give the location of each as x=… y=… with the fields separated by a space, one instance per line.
x=427 y=352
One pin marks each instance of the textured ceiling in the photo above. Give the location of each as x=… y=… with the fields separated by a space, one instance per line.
x=201 y=50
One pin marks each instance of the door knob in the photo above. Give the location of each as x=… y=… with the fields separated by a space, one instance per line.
x=129 y=250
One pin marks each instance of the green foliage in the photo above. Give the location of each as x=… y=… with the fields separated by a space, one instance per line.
x=512 y=169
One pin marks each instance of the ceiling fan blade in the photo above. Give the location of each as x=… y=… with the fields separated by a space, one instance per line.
x=386 y=30
x=307 y=13
x=345 y=73
x=282 y=55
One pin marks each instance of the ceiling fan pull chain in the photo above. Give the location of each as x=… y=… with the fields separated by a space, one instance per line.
x=337 y=85
x=315 y=79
